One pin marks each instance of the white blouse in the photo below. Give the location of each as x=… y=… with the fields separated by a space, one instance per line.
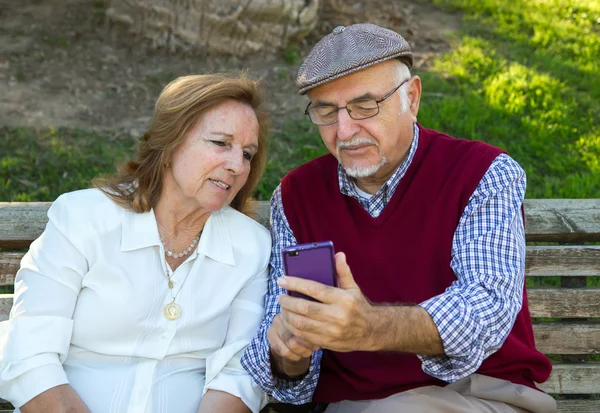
x=89 y=301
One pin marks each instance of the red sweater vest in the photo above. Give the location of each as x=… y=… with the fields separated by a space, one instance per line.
x=402 y=256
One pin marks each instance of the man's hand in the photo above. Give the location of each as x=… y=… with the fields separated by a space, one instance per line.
x=341 y=321
x=290 y=356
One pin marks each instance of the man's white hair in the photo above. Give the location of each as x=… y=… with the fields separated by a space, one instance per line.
x=403 y=73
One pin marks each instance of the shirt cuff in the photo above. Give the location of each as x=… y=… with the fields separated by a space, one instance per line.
x=461 y=336
x=34 y=382
x=293 y=391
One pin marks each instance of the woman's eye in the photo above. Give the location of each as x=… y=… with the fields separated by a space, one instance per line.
x=218 y=143
x=248 y=156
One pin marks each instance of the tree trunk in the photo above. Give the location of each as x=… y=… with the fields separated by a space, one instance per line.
x=235 y=27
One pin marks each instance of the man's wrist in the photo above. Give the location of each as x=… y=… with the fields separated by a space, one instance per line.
x=379 y=328
x=403 y=328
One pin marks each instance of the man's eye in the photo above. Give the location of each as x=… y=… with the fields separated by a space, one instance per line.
x=218 y=143
x=325 y=110
x=364 y=105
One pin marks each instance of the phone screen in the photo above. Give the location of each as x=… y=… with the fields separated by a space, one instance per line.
x=312 y=261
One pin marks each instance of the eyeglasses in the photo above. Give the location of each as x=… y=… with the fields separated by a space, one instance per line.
x=323 y=115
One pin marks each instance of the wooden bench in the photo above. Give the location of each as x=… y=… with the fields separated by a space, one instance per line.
x=563 y=226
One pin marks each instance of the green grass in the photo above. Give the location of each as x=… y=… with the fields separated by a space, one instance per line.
x=296 y=144
x=40 y=165
x=555 y=281
x=524 y=75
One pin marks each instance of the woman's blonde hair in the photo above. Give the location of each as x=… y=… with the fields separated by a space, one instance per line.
x=138 y=183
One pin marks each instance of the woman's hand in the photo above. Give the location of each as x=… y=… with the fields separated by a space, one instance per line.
x=59 y=399
x=215 y=401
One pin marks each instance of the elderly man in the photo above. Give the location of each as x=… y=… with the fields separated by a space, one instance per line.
x=430 y=312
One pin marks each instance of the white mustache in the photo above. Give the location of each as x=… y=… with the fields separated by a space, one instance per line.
x=356 y=141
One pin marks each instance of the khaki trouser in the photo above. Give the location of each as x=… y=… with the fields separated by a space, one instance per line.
x=474 y=394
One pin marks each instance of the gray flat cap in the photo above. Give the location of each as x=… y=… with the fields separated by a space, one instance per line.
x=349 y=49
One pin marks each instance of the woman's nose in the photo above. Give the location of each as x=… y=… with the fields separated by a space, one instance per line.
x=235 y=162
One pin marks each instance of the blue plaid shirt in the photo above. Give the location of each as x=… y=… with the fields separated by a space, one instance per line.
x=473 y=316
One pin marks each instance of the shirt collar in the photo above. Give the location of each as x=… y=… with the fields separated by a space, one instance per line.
x=140 y=231
x=215 y=241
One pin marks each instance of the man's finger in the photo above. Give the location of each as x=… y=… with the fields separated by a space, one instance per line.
x=303 y=307
x=314 y=289
x=299 y=325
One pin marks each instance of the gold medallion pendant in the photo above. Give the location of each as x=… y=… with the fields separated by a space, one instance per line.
x=172 y=311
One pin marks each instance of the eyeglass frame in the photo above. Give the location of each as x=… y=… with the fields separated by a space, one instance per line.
x=377 y=101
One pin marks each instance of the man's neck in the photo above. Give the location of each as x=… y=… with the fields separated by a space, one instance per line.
x=368 y=186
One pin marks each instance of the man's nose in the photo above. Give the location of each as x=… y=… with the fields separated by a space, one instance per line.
x=346 y=126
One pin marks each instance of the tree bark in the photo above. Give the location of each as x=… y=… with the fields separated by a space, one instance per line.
x=235 y=27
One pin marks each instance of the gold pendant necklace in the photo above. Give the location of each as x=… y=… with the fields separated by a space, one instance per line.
x=172 y=311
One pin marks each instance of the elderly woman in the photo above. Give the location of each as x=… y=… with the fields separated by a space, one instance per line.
x=142 y=294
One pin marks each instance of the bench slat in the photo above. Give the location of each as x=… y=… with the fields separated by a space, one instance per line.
x=563 y=261
x=6 y=301
x=573 y=379
x=564 y=302
x=550 y=338
x=21 y=222
x=562 y=220
x=558 y=220
x=551 y=261
x=564 y=406
x=567 y=338
x=9 y=265
x=578 y=406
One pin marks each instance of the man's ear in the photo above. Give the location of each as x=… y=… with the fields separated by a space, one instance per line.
x=414 y=96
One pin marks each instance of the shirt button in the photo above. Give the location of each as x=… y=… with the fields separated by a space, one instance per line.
x=376 y=213
x=166 y=336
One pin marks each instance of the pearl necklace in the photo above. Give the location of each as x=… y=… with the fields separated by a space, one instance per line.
x=185 y=251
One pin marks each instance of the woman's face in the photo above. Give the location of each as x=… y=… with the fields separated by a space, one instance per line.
x=213 y=163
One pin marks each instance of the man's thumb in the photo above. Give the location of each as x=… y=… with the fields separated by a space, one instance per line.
x=345 y=279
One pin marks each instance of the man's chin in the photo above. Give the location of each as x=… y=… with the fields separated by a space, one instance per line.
x=361 y=171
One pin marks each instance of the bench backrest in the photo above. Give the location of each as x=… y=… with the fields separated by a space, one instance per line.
x=570 y=337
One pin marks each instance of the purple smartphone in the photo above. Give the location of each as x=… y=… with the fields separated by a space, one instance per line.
x=313 y=261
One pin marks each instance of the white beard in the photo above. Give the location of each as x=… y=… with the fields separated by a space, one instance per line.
x=360 y=171
x=365 y=171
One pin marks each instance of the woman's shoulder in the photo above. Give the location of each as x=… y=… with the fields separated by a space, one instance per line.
x=86 y=205
x=88 y=200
